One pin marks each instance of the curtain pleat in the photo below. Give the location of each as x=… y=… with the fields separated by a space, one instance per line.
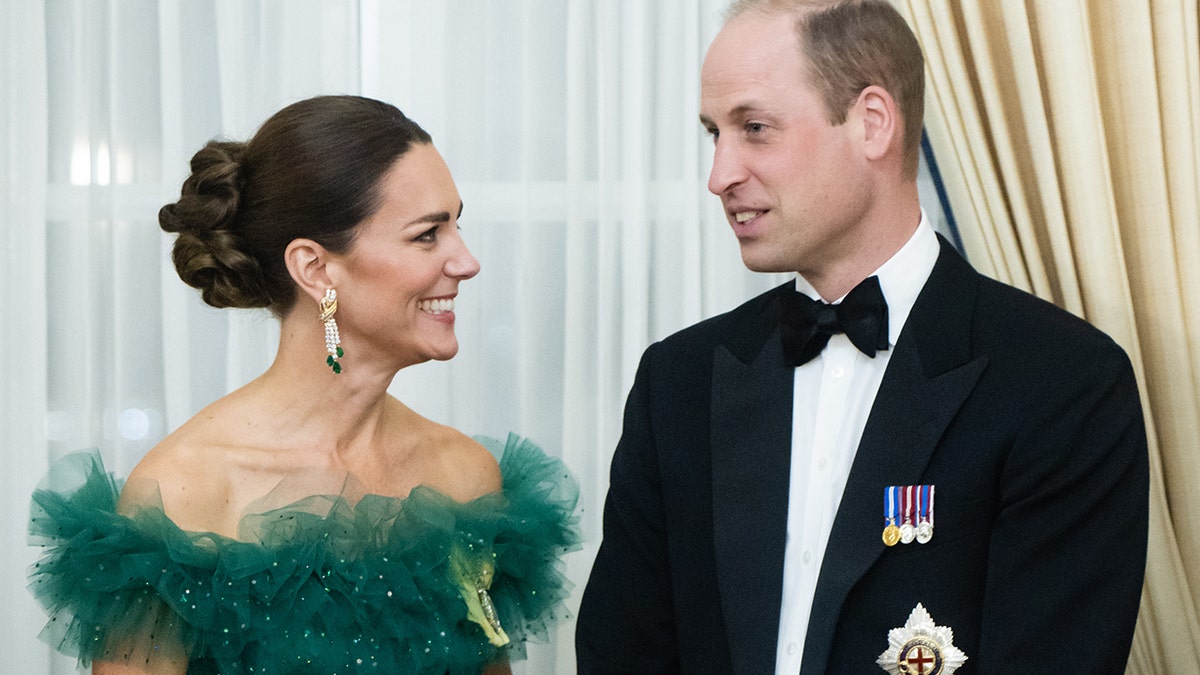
x=23 y=55
x=971 y=189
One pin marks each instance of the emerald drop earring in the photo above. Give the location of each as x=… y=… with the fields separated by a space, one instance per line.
x=333 y=342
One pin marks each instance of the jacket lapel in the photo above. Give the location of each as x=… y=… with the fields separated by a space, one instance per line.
x=751 y=454
x=929 y=376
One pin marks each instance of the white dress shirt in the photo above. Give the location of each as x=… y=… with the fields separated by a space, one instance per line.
x=833 y=395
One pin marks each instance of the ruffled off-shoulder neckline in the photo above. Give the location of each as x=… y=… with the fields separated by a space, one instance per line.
x=370 y=570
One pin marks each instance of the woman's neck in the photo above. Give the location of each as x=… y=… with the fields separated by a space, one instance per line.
x=340 y=413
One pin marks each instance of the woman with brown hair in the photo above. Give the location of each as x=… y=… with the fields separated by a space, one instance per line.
x=309 y=522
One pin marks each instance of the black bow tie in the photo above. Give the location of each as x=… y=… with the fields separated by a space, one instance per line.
x=807 y=324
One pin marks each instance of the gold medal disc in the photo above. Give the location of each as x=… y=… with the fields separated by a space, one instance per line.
x=891 y=535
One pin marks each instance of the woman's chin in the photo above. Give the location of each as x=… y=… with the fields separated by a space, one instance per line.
x=445 y=352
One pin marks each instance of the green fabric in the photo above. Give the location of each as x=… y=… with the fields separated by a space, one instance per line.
x=329 y=587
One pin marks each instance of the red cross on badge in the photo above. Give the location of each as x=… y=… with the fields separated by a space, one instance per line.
x=918 y=661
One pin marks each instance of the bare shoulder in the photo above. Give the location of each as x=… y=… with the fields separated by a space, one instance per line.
x=460 y=467
x=184 y=474
x=439 y=456
x=469 y=465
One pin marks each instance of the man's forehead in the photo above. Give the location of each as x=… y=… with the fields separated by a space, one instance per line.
x=750 y=48
x=739 y=92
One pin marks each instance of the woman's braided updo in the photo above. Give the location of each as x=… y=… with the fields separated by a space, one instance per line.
x=311 y=171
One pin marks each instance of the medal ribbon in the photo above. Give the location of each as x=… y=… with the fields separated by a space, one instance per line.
x=907 y=505
x=891 y=504
x=928 y=513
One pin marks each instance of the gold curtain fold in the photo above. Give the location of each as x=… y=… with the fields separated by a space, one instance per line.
x=1067 y=133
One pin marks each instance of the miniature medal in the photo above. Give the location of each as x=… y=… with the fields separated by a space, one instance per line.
x=924 y=514
x=907 y=529
x=921 y=647
x=891 y=508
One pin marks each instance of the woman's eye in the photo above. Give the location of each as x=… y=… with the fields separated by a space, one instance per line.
x=428 y=236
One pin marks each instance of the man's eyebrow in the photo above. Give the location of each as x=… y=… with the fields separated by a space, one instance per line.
x=739 y=112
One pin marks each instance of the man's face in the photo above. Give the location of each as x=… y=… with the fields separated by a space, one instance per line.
x=791 y=183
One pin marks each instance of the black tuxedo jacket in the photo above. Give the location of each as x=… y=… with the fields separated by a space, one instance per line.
x=1025 y=418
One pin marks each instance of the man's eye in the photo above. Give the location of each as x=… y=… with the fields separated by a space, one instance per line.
x=755 y=127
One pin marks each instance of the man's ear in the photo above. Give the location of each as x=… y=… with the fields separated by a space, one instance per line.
x=881 y=124
x=307 y=262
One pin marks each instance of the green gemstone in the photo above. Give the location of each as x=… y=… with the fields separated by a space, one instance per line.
x=340 y=353
x=337 y=367
x=329 y=360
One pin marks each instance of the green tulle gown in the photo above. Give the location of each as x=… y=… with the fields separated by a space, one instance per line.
x=326 y=584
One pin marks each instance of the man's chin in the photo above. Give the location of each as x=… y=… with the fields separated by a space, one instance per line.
x=755 y=261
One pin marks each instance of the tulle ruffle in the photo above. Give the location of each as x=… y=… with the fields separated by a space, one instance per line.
x=321 y=585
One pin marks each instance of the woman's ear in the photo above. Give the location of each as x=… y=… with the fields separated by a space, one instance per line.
x=307 y=263
x=882 y=127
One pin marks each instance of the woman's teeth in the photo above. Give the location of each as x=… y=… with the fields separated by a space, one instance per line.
x=436 y=306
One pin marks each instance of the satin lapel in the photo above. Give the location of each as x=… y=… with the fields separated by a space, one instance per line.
x=751 y=454
x=929 y=376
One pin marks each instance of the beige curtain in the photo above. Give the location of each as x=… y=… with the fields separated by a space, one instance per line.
x=1068 y=136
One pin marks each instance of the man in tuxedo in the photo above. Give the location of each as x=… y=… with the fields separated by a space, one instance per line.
x=893 y=462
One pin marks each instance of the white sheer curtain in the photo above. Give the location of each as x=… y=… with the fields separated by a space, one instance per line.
x=570 y=126
x=23 y=331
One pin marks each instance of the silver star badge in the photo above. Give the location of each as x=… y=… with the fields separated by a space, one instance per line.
x=921 y=647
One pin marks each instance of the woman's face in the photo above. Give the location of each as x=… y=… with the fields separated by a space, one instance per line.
x=397 y=282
